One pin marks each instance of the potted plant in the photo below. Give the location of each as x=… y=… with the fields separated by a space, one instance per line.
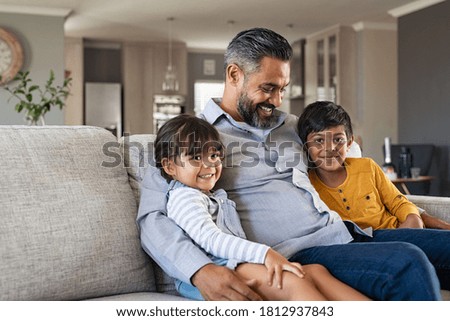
x=37 y=101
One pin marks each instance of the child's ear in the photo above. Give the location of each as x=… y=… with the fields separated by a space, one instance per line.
x=168 y=166
x=350 y=142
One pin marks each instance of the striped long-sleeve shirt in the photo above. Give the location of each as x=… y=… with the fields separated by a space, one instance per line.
x=213 y=224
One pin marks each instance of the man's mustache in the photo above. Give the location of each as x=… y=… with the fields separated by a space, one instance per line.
x=265 y=105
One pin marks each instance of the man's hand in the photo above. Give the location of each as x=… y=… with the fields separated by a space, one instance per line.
x=412 y=221
x=218 y=283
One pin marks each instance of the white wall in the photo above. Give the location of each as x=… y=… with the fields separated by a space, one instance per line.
x=73 y=113
x=144 y=66
x=42 y=38
x=377 y=98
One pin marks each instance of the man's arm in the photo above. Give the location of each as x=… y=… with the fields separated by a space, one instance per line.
x=218 y=283
x=171 y=249
x=161 y=238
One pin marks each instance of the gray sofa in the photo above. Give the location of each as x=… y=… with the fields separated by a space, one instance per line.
x=68 y=204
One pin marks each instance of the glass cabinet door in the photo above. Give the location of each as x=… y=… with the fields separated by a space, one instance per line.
x=327 y=68
x=321 y=90
x=332 y=65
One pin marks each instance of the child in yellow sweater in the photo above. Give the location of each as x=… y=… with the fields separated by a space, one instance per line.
x=356 y=188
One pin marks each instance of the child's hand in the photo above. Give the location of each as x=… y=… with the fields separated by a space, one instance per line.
x=276 y=264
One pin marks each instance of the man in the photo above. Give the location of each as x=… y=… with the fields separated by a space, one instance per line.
x=266 y=176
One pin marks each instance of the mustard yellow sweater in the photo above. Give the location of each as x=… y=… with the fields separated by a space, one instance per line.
x=366 y=197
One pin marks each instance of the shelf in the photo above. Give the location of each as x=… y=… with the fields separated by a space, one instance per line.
x=298 y=97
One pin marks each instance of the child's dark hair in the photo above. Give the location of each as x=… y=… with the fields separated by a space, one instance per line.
x=185 y=134
x=321 y=115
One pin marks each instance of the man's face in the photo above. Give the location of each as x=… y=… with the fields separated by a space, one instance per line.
x=262 y=92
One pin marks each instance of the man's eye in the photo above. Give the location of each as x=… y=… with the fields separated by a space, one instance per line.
x=267 y=90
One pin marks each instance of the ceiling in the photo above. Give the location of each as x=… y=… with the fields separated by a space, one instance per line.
x=204 y=24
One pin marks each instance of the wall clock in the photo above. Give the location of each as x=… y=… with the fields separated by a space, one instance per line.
x=11 y=56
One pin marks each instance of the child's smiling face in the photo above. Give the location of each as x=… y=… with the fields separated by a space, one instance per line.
x=328 y=149
x=200 y=171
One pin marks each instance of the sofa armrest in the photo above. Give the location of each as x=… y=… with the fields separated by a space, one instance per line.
x=434 y=205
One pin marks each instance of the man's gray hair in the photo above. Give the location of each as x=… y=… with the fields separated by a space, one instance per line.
x=249 y=47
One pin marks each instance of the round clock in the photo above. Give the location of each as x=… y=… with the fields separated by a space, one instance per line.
x=11 y=56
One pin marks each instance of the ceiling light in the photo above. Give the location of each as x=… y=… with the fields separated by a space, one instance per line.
x=170 y=83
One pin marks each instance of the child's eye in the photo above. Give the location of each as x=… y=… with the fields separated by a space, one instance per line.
x=197 y=158
x=340 y=141
x=216 y=156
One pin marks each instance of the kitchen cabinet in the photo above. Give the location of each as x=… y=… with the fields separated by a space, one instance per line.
x=330 y=67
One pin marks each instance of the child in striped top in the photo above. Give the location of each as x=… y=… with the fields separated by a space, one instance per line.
x=189 y=152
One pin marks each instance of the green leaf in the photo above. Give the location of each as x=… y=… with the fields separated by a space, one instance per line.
x=44 y=97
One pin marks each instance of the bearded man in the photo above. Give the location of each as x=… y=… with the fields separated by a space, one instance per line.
x=265 y=174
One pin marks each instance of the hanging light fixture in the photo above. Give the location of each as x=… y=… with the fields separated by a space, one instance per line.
x=170 y=83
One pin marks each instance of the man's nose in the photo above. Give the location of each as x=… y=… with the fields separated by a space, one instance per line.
x=276 y=98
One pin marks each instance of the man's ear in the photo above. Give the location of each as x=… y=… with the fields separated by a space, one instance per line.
x=168 y=166
x=234 y=74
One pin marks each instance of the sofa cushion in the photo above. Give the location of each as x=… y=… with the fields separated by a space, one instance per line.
x=137 y=151
x=138 y=156
x=68 y=215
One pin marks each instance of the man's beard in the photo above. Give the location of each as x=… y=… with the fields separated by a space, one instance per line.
x=249 y=113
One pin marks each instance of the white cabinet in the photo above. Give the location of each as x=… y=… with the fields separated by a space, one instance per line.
x=330 y=67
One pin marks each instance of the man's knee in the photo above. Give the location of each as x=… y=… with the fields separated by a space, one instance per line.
x=411 y=272
x=409 y=254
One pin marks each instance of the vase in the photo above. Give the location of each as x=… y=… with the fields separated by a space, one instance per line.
x=35 y=121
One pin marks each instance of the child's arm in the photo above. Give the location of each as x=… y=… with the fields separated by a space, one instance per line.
x=189 y=210
x=412 y=221
x=434 y=222
x=395 y=202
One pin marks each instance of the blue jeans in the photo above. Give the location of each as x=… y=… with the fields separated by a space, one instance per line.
x=188 y=291
x=396 y=264
x=191 y=292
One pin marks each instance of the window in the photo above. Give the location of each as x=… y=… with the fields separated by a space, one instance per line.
x=205 y=90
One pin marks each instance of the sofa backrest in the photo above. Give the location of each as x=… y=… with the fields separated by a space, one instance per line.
x=67 y=216
x=138 y=156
